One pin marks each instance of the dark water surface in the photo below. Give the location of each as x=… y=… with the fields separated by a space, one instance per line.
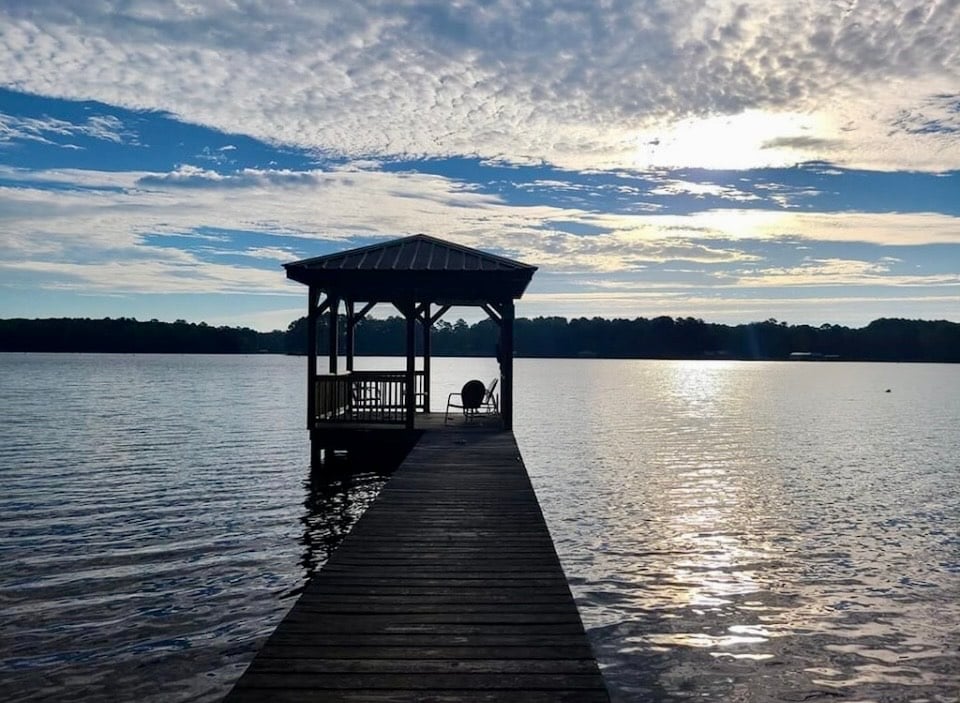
x=732 y=531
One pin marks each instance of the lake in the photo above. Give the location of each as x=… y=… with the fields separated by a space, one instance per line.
x=731 y=530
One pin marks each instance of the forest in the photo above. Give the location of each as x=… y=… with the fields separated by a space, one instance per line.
x=886 y=339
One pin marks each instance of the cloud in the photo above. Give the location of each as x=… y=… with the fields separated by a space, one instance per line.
x=188 y=175
x=938 y=116
x=803 y=143
x=887 y=229
x=45 y=130
x=149 y=275
x=271 y=253
x=114 y=212
x=836 y=272
x=579 y=85
x=681 y=187
x=811 y=272
x=195 y=230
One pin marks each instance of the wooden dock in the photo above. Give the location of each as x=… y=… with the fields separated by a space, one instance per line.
x=447 y=589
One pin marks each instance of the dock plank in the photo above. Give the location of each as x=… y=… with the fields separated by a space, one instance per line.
x=448 y=588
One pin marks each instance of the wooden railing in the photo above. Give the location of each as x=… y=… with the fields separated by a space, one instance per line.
x=366 y=396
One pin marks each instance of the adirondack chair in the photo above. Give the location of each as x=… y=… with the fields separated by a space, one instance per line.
x=474 y=400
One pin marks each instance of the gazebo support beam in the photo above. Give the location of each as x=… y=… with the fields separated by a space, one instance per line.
x=351 y=333
x=506 y=364
x=333 y=333
x=353 y=317
x=364 y=310
x=410 y=395
x=426 y=324
x=313 y=312
x=494 y=315
x=439 y=313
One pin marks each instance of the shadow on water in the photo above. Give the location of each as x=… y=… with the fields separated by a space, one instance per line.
x=646 y=673
x=338 y=492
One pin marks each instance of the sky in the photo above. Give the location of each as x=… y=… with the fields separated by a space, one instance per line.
x=730 y=161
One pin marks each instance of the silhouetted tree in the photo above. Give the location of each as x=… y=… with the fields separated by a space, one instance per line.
x=658 y=338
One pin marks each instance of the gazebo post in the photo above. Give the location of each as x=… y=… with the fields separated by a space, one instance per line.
x=506 y=363
x=351 y=326
x=313 y=311
x=410 y=396
x=333 y=333
x=427 y=325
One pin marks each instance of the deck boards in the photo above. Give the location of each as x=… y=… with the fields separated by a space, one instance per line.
x=448 y=589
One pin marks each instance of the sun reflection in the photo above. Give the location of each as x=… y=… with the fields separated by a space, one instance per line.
x=707 y=501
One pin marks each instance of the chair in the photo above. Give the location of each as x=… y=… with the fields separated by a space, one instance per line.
x=474 y=400
x=365 y=392
x=364 y=399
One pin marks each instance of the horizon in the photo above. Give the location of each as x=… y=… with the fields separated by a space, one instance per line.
x=728 y=163
x=482 y=317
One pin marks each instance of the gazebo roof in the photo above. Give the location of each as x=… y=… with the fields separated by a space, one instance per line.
x=421 y=268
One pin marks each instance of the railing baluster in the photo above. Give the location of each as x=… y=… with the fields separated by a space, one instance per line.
x=366 y=396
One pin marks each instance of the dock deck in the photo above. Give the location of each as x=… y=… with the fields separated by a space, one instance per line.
x=447 y=589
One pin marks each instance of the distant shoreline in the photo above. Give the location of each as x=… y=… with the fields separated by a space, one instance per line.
x=484 y=356
x=890 y=340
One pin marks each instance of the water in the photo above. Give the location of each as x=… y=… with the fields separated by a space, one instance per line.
x=757 y=532
x=732 y=531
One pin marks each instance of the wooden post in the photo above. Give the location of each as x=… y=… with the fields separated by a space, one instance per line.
x=427 y=325
x=313 y=300
x=334 y=336
x=351 y=326
x=506 y=364
x=411 y=315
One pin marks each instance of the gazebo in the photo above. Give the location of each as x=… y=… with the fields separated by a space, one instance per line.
x=422 y=277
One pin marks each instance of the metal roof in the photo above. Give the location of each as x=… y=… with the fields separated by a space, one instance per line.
x=420 y=266
x=419 y=252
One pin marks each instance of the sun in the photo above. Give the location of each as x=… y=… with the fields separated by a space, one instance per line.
x=750 y=139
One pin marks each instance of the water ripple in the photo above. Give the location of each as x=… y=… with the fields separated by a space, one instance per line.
x=153 y=528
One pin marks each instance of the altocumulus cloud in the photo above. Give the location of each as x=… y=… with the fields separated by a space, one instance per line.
x=193 y=176
x=572 y=84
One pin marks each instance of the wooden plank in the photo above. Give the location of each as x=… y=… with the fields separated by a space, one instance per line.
x=463 y=590
x=288 y=633
x=448 y=588
x=505 y=611
x=351 y=581
x=424 y=666
x=438 y=574
x=280 y=649
x=438 y=624
x=452 y=597
x=255 y=695
x=415 y=681
x=308 y=620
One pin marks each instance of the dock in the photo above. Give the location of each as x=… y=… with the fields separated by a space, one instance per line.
x=447 y=589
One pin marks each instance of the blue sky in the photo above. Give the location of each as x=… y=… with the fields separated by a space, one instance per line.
x=731 y=162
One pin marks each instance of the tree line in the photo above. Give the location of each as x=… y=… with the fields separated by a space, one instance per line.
x=127 y=335
x=886 y=339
